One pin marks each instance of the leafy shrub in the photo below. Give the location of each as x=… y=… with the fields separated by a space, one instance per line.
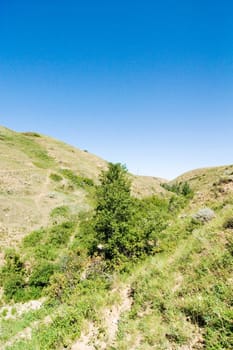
x=41 y=275
x=182 y=188
x=13 y=275
x=176 y=203
x=13 y=284
x=60 y=234
x=45 y=251
x=33 y=238
x=13 y=263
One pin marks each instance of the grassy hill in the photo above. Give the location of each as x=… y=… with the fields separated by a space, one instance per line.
x=38 y=174
x=60 y=297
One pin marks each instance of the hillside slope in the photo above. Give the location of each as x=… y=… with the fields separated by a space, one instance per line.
x=57 y=296
x=33 y=181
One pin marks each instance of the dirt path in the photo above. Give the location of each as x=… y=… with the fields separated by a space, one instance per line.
x=21 y=308
x=112 y=316
x=92 y=339
x=88 y=339
x=43 y=192
x=26 y=333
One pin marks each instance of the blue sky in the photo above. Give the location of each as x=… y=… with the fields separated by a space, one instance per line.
x=146 y=83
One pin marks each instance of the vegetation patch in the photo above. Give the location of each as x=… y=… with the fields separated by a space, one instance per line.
x=228 y=223
x=178 y=271
x=33 y=150
x=76 y=180
x=55 y=177
x=62 y=211
x=31 y=134
x=181 y=188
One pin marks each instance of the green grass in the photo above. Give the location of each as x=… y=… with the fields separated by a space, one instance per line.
x=32 y=149
x=180 y=294
x=76 y=180
x=62 y=211
x=10 y=327
x=55 y=177
x=42 y=250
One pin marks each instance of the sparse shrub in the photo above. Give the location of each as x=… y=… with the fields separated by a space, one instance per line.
x=55 y=177
x=204 y=215
x=191 y=225
x=176 y=203
x=13 y=311
x=60 y=211
x=196 y=314
x=31 y=133
x=228 y=223
x=229 y=245
x=4 y=312
x=2 y=137
x=76 y=180
x=88 y=181
x=223 y=181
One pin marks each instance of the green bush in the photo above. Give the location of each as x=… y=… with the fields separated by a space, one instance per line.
x=13 y=285
x=45 y=251
x=33 y=238
x=181 y=188
x=13 y=263
x=124 y=227
x=60 y=211
x=55 y=177
x=41 y=275
x=60 y=234
x=13 y=276
x=228 y=223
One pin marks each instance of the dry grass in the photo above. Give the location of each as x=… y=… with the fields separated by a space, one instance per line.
x=28 y=194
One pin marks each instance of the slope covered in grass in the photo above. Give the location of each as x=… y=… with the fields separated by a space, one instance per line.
x=39 y=174
x=176 y=295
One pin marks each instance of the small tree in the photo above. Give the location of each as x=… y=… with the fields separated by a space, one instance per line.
x=124 y=227
x=113 y=212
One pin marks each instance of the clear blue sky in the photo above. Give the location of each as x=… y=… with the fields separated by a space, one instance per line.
x=146 y=83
